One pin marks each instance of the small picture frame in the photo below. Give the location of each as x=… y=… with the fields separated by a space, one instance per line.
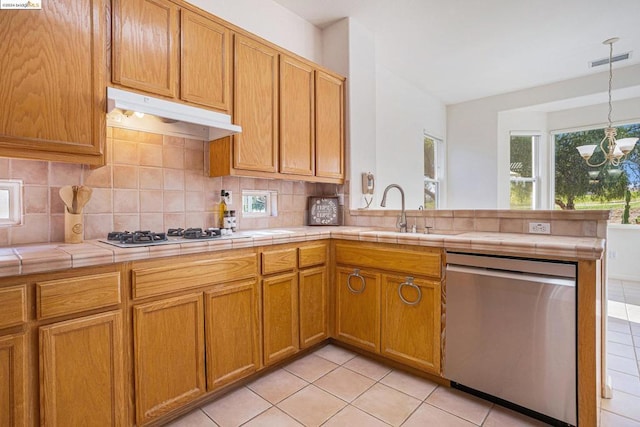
x=323 y=210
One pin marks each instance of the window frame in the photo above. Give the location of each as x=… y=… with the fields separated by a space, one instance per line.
x=439 y=162
x=15 y=202
x=271 y=204
x=536 y=197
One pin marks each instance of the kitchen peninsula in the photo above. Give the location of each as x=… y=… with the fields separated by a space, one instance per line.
x=82 y=316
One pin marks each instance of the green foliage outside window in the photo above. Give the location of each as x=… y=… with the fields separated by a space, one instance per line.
x=576 y=189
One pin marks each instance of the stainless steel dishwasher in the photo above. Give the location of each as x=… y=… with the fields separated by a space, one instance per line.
x=511 y=333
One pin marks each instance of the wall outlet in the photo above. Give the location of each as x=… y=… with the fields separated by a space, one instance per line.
x=539 y=228
x=340 y=199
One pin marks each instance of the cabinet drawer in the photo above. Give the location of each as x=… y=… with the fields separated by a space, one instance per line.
x=177 y=276
x=76 y=294
x=405 y=261
x=280 y=260
x=13 y=301
x=312 y=255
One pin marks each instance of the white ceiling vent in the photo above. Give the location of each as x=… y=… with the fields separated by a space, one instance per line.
x=605 y=61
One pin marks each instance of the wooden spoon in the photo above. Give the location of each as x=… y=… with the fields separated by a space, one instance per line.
x=83 y=196
x=66 y=194
x=74 y=205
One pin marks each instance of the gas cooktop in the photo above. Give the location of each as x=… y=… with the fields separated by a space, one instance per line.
x=134 y=239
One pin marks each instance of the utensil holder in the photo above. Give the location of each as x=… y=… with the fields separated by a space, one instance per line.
x=73 y=228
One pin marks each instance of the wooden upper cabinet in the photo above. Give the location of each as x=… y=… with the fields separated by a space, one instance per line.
x=205 y=50
x=52 y=83
x=329 y=126
x=297 y=139
x=255 y=106
x=145 y=45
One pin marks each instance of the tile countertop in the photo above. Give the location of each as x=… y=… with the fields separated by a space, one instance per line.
x=38 y=258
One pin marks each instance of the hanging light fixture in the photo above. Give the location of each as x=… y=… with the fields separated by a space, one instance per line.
x=614 y=151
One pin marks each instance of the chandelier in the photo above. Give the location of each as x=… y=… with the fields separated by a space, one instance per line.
x=614 y=151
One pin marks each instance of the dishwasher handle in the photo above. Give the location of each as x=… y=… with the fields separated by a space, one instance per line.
x=547 y=280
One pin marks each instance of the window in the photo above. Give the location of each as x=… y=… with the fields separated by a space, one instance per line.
x=259 y=203
x=10 y=202
x=523 y=171
x=433 y=161
x=579 y=186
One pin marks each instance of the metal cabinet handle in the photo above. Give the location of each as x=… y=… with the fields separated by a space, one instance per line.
x=356 y=273
x=409 y=282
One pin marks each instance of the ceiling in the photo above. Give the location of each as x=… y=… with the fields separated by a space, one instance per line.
x=459 y=50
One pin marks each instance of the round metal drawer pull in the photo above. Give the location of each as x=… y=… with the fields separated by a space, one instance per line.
x=409 y=282
x=356 y=273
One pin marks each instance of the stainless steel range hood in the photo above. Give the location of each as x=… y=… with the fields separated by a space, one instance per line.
x=131 y=110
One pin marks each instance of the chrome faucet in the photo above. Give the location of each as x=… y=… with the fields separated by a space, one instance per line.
x=403 y=216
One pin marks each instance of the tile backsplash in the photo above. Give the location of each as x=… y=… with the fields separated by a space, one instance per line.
x=150 y=182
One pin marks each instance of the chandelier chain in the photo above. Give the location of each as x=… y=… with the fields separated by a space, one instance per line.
x=610 y=80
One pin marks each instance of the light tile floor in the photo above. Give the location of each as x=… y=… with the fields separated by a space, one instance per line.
x=335 y=387
x=623 y=355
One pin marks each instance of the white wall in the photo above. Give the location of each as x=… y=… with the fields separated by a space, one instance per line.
x=404 y=113
x=386 y=117
x=473 y=140
x=624 y=111
x=270 y=21
x=622 y=249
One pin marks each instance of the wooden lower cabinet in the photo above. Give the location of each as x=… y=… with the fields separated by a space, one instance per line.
x=13 y=381
x=232 y=333
x=280 y=317
x=312 y=291
x=168 y=354
x=81 y=372
x=411 y=322
x=358 y=308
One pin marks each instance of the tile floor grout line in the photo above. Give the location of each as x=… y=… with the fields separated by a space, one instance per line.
x=257 y=415
x=491 y=408
x=207 y=415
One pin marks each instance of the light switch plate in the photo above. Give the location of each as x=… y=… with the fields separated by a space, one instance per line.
x=539 y=228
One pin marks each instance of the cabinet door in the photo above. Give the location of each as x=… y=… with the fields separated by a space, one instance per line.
x=255 y=106
x=205 y=61
x=297 y=139
x=411 y=322
x=280 y=317
x=13 y=381
x=81 y=372
x=52 y=83
x=232 y=327
x=358 y=308
x=329 y=126
x=168 y=354
x=145 y=45
x=313 y=306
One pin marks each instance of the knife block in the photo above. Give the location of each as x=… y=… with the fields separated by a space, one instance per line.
x=73 y=228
